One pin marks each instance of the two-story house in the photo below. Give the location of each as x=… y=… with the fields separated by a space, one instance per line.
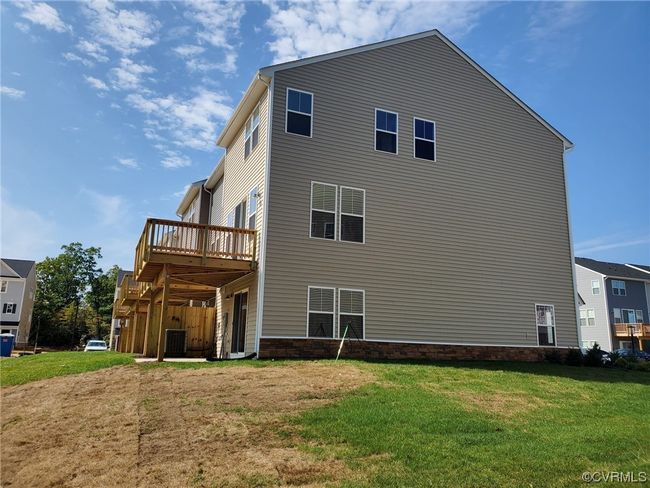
x=17 y=293
x=395 y=194
x=617 y=301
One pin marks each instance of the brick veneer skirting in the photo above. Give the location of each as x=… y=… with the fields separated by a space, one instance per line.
x=326 y=348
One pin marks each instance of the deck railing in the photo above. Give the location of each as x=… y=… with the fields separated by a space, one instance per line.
x=623 y=330
x=172 y=237
x=128 y=287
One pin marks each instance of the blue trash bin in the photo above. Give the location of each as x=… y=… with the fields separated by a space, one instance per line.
x=6 y=344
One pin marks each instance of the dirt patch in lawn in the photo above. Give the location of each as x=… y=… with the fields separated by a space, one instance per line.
x=133 y=426
x=500 y=403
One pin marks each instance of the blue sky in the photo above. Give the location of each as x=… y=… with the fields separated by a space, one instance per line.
x=110 y=109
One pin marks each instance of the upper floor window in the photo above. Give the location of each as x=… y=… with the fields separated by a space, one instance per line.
x=320 y=314
x=545 y=321
x=587 y=317
x=424 y=139
x=323 y=211
x=352 y=219
x=252 y=208
x=8 y=307
x=386 y=127
x=252 y=132
x=618 y=288
x=3 y=286
x=595 y=287
x=299 y=112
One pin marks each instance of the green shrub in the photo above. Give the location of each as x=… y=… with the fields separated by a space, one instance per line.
x=621 y=362
x=642 y=366
x=573 y=357
x=593 y=357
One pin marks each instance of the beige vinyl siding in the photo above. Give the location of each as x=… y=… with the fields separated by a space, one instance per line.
x=241 y=175
x=216 y=208
x=457 y=251
x=601 y=331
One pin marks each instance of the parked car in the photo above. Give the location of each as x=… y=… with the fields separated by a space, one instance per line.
x=626 y=353
x=605 y=359
x=96 y=346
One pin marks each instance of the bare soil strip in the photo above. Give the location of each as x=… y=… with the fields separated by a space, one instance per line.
x=131 y=426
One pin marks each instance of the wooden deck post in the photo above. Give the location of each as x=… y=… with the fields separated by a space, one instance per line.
x=134 y=336
x=147 y=326
x=163 y=315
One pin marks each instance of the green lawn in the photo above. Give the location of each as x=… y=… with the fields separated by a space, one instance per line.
x=486 y=424
x=16 y=371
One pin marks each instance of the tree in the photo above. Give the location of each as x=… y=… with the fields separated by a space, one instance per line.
x=100 y=299
x=63 y=282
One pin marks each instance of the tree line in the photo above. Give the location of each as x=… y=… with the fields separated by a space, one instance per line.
x=74 y=298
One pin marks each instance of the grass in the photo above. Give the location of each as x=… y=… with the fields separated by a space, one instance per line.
x=17 y=371
x=486 y=424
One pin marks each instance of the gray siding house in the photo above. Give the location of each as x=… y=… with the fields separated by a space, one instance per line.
x=616 y=296
x=395 y=194
x=17 y=293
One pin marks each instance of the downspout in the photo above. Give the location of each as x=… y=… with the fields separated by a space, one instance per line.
x=573 y=258
x=261 y=269
x=609 y=323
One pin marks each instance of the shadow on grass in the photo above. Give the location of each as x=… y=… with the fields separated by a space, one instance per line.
x=579 y=373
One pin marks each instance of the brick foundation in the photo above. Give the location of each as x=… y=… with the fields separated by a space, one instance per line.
x=327 y=349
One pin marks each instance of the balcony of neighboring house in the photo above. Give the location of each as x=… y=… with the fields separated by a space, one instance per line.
x=129 y=290
x=638 y=330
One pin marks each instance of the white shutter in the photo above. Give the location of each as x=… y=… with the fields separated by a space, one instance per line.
x=352 y=201
x=323 y=197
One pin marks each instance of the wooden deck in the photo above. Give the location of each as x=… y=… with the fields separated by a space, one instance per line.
x=635 y=330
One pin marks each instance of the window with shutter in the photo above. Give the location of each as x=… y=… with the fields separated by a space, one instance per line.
x=424 y=139
x=320 y=320
x=353 y=202
x=299 y=112
x=323 y=211
x=351 y=313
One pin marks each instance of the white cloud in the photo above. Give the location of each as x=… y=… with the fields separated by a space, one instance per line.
x=22 y=27
x=12 y=92
x=128 y=75
x=75 y=57
x=43 y=14
x=112 y=210
x=174 y=160
x=220 y=23
x=188 y=123
x=129 y=163
x=187 y=50
x=96 y=83
x=552 y=18
x=181 y=193
x=126 y=31
x=309 y=28
x=606 y=243
x=25 y=234
x=93 y=50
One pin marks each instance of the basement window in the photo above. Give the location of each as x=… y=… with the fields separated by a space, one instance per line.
x=386 y=126
x=424 y=139
x=351 y=313
x=299 y=112
x=545 y=321
x=320 y=320
x=252 y=132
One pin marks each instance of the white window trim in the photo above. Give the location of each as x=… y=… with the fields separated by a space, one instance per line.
x=287 y=110
x=374 y=133
x=336 y=210
x=595 y=287
x=333 y=312
x=338 y=315
x=12 y=305
x=639 y=317
x=619 y=294
x=249 y=198
x=586 y=317
x=435 y=141
x=554 y=325
x=340 y=205
x=259 y=119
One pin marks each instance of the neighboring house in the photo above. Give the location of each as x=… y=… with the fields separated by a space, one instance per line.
x=119 y=312
x=617 y=299
x=395 y=193
x=195 y=205
x=17 y=293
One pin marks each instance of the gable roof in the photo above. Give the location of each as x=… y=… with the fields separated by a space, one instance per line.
x=615 y=270
x=21 y=267
x=190 y=195
x=260 y=81
x=640 y=267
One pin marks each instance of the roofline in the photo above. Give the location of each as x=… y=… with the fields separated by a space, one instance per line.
x=216 y=175
x=270 y=70
x=637 y=268
x=190 y=194
x=615 y=277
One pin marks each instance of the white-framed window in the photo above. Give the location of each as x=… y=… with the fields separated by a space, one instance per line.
x=625 y=344
x=352 y=214
x=320 y=311
x=618 y=288
x=323 y=211
x=587 y=317
x=352 y=309
x=252 y=132
x=617 y=316
x=588 y=344
x=595 y=287
x=8 y=308
x=545 y=321
x=386 y=130
x=3 y=286
x=252 y=208
x=299 y=116
x=424 y=139
x=639 y=316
